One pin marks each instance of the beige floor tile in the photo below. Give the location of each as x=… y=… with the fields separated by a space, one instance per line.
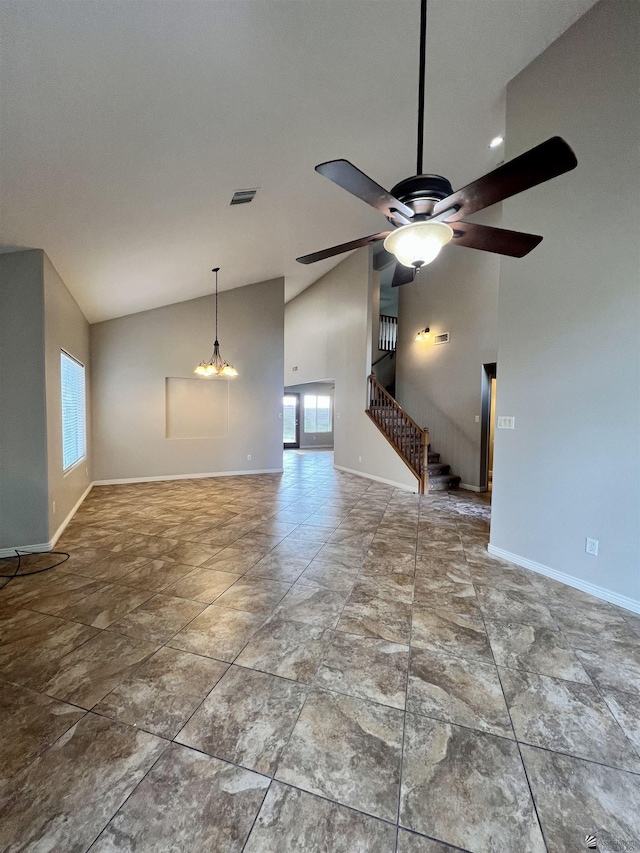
x=201 y=585
x=218 y=632
x=161 y=694
x=317 y=585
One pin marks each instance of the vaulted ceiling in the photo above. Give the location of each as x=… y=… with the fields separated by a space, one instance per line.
x=126 y=127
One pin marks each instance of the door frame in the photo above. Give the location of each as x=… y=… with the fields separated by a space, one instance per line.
x=489 y=372
x=293 y=445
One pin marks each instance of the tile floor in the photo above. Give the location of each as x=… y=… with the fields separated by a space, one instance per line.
x=309 y=662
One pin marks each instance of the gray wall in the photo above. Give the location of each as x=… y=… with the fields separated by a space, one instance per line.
x=311 y=439
x=440 y=386
x=328 y=330
x=23 y=418
x=38 y=318
x=133 y=355
x=65 y=329
x=569 y=326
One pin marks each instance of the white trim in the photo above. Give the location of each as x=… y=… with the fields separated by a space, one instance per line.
x=402 y=486
x=162 y=477
x=597 y=591
x=43 y=547
x=64 y=524
x=470 y=488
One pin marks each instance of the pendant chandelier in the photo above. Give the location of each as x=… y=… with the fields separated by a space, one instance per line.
x=216 y=365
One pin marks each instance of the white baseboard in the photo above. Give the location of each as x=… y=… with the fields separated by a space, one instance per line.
x=64 y=524
x=402 y=486
x=597 y=591
x=469 y=488
x=166 y=477
x=42 y=547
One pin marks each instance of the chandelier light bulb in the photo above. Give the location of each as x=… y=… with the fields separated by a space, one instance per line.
x=419 y=243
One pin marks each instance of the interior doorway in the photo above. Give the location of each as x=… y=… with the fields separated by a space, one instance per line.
x=488 y=420
x=291 y=421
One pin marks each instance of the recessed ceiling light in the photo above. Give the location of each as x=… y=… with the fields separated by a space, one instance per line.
x=497 y=140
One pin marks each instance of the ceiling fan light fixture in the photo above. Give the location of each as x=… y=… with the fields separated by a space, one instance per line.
x=419 y=243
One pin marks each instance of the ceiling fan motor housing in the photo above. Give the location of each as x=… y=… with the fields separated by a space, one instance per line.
x=421 y=192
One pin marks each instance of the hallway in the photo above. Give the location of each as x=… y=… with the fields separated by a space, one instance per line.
x=309 y=662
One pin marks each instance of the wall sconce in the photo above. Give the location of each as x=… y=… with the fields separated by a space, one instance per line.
x=423 y=334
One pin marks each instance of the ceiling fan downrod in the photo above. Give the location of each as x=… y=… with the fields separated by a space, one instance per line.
x=423 y=50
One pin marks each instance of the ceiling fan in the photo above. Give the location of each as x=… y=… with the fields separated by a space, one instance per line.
x=425 y=213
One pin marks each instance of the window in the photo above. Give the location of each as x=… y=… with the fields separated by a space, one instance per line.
x=317 y=413
x=74 y=442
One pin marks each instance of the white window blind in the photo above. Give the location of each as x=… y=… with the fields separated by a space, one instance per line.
x=74 y=442
x=317 y=413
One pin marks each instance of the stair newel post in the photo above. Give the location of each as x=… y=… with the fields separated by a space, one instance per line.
x=424 y=479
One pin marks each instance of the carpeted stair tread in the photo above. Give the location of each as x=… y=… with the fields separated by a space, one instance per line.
x=443 y=482
x=436 y=468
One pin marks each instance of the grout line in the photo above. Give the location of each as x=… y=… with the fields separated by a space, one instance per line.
x=515 y=736
x=406 y=690
x=135 y=787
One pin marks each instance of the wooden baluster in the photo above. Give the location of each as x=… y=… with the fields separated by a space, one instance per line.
x=424 y=479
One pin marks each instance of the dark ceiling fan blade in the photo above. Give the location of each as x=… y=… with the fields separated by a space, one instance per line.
x=346 y=175
x=489 y=239
x=343 y=247
x=403 y=275
x=540 y=164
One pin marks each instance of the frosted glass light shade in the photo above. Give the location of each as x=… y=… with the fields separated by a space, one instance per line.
x=216 y=366
x=210 y=368
x=419 y=243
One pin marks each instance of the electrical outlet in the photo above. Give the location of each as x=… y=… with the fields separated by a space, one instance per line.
x=477 y=419
x=248 y=457
x=359 y=458
x=591 y=547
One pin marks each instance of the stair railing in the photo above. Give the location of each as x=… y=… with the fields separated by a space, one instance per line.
x=387 y=333
x=410 y=441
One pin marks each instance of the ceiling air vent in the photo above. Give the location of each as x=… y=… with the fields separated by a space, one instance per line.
x=243 y=196
x=442 y=339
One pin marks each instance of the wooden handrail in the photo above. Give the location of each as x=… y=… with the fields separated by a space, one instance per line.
x=392 y=401
x=410 y=441
x=389 y=354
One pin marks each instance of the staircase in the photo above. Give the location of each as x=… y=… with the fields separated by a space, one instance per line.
x=410 y=441
x=440 y=477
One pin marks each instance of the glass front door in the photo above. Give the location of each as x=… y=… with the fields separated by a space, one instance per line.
x=291 y=420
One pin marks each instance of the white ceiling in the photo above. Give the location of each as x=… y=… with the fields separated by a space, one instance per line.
x=126 y=127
